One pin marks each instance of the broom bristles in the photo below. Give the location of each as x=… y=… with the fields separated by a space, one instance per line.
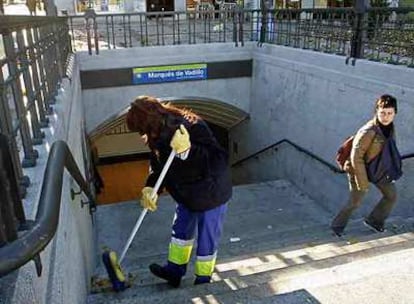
x=114 y=270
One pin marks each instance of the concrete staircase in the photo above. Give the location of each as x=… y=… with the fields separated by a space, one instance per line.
x=276 y=248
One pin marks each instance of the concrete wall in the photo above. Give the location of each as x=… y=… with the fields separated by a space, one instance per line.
x=313 y=99
x=102 y=103
x=69 y=259
x=75 y=240
x=316 y=100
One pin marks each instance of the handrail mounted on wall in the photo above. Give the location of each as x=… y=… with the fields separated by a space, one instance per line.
x=17 y=253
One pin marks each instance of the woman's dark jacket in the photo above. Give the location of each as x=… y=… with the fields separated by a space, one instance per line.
x=200 y=182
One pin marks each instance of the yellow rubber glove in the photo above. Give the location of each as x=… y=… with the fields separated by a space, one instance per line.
x=181 y=140
x=147 y=201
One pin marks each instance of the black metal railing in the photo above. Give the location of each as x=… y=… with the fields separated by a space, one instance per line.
x=113 y=31
x=17 y=252
x=33 y=56
x=381 y=34
x=312 y=155
x=273 y=146
x=11 y=208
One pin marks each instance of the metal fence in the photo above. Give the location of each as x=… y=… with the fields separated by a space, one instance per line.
x=382 y=34
x=110 y=31
x=33 y=54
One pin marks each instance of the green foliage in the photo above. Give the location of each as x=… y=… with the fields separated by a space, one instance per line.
x=409 y=18
x=406 y=3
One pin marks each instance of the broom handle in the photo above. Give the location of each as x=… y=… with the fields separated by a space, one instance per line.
x=144 y=212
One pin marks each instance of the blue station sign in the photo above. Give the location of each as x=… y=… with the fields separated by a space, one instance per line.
x=169 y=73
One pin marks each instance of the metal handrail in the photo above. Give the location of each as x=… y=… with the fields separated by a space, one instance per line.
x=17 y=253
x=299 y=148
x=307 y=152
x=409 y=155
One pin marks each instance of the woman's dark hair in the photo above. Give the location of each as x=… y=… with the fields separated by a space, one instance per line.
x=148 y=116
x=386 y=101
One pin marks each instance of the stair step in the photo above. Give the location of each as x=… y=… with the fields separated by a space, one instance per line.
x=255 y=207
x=253 y=287
x=284 y=237
x=257 y=220
x=295 y=286
x=285 y=265
x=260 y=246
x=267 y=242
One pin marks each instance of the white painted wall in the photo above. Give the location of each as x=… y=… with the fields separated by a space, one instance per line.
x=316 y=100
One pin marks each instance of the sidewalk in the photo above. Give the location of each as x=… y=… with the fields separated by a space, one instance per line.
x=20 y=9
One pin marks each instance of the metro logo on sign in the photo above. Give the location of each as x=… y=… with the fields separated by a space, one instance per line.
x=169 y=73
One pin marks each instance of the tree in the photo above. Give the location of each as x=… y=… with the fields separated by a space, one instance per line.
x=379 y=3
x=376 y=18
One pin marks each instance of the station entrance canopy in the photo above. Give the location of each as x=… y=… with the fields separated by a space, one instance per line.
x=213 y=111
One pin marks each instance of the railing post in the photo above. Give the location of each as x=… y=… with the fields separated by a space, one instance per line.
x=53 y=73
x=95 y=32
x=240 y=15
x=8 y=225
x=6 y=127
x=40 y=48
x=358 y=31
x=10 y=202
x=264 y=23
x=62 y=45
x=235 y=31
x=13 y=185
x=30 y=155
x=34 y=59
x=57 y=51
x=90 y=16
x=66 y=45
x=50 y=64
x=38 y=135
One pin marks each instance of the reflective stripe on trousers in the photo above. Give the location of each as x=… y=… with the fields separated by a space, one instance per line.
x=204 y=265
x=209 y=226
x=180 y=251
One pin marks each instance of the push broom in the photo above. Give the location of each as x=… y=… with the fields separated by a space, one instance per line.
x=109 y=258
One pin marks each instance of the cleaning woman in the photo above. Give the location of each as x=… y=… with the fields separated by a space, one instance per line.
x=199 y=181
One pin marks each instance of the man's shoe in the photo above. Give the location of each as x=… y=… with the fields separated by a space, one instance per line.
x=374 y=227
x=163 y=273
x=338 y=232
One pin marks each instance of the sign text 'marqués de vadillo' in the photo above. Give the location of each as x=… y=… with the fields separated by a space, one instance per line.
x=169 y=73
